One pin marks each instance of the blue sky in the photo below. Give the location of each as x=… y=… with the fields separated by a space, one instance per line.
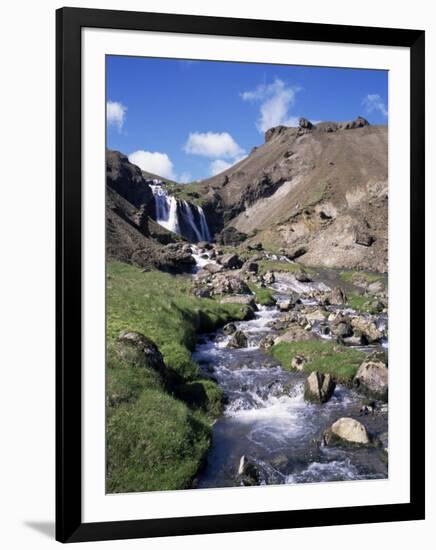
x=188 y=120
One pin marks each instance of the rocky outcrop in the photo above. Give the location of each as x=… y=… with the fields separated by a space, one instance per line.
x=346 y=431
x=274 y=132
x=319 y=387
x=304 y=123
x=128 y=181
x=230 y=236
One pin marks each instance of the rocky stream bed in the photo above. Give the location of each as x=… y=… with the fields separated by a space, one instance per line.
x=270 y=432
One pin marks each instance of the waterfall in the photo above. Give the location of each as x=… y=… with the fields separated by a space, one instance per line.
x=203 y=225
x=180 y=216
x=166 y=209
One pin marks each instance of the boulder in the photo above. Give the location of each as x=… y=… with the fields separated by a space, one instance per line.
x=377 y=287
x=302 y=277
x=230 y=261
x=296 y=252
x=230 y=328
x=251 y=267
x=318 y=387
x=269 y=278
x=298 y=362
x=304 y=123
x=364 y=238
x=267 y=342
x=342 y=329
x=346 y=431
x=248 y=472
x=295 y=333
x=149 y=353
x=372 y=380
x=367 y=328
x=225 y=283
x=205 y=245
x=238 y=340
x=316 y=315
x=202 y=292
x=213 y=268
x=358 y=122
x=285 y=305
x=337 y=297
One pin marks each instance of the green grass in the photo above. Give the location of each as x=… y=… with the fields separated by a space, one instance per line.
x=267 y=265
x=155 y=443
x=264 y=296
x=188 y=192
x=360 y=303
x=353 y=277
x=340 y=361
x=162 y=307
x=158 y=423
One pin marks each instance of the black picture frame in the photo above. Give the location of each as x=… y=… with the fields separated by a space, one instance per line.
x=69 y=525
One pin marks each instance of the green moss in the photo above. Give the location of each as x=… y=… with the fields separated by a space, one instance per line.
x=325 y=357
x=264 y=296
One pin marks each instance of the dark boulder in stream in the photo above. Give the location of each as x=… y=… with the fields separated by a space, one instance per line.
x=238 y=340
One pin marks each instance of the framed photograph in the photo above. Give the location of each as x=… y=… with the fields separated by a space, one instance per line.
x=240 y=264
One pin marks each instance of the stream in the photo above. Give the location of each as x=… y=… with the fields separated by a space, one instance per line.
x=267 y=419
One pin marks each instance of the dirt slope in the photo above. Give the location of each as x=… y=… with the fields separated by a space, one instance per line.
x=321 y=190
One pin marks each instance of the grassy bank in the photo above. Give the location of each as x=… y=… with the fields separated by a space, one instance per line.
x=158 y=423
x=271 y=265
x=361 y=277
x=264 y=296
x=340 y=361
x=363 y=304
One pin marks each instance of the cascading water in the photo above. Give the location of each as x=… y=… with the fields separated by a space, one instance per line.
x=166 y=209
x=179 y=216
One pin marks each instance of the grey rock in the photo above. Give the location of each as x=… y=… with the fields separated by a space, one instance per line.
x=319 y=387
x=238 y=340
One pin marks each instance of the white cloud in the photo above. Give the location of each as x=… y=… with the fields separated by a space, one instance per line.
x=156 y=163
x=212 y=145
x=276 y=100
x=115 y=114
x=219 y=165
x=373 y=102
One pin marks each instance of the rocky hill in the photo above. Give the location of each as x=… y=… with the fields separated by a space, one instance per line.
x=132 y=235
x=320 y=193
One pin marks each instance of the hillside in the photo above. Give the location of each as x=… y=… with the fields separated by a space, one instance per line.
x=318 y=192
